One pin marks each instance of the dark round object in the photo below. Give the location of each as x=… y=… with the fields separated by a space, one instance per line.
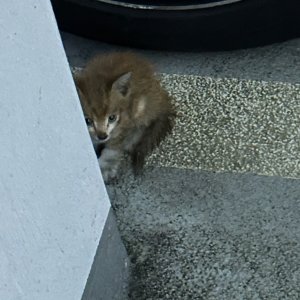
x=181 y=25
x=89 y=122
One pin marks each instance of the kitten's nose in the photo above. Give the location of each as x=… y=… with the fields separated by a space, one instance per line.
x=102 y=136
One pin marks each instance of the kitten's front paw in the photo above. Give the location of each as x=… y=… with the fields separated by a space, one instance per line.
x=109 y=176
x=109 y=164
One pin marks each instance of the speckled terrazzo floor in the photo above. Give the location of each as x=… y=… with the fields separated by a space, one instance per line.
x=197 y=224
x=233 y=125
x=204 y=236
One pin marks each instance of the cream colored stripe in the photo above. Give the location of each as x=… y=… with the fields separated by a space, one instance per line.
x=233 y=125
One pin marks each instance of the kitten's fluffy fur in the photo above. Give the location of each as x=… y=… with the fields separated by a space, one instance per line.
x=126 y=109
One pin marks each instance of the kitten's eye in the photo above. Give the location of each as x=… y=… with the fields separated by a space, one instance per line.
x=112 y=118
x=89 y=121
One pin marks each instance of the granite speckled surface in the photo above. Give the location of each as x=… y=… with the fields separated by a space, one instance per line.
x=194 y=234
x=204 y=236
x=233 y=125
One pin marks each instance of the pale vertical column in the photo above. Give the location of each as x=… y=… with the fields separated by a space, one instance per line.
x=53 y=203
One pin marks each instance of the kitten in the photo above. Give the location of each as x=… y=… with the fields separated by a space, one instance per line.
x=126 y=109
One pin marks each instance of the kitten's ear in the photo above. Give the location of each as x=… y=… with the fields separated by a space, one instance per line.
x=78 y=81
x=121 y=85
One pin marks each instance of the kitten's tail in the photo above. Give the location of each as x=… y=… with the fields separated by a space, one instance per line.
x=151 y=139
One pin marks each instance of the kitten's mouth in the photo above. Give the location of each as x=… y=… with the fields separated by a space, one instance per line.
x=101 y=141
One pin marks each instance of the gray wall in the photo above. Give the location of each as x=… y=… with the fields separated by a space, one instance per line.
x=53 y=203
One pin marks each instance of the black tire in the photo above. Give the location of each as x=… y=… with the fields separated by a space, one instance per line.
x=242 y=24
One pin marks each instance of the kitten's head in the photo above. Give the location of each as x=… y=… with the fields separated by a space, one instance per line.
x=104 y=103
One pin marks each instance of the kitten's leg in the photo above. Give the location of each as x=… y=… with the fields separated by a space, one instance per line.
x=130 y=146
x=134 y=137
x=109 y=162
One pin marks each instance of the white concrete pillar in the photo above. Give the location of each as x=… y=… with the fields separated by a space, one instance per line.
x=54 y=209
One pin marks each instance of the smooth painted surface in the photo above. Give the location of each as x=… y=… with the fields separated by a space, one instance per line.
x=53 y=204
x=108 y=279
x=277 y=62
